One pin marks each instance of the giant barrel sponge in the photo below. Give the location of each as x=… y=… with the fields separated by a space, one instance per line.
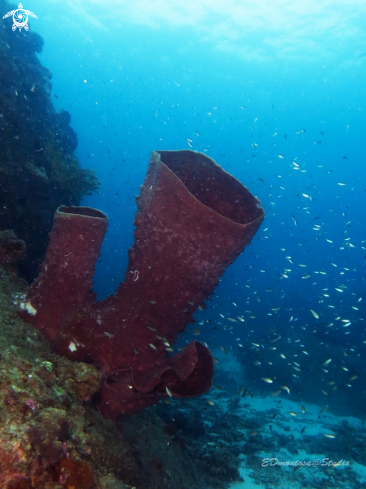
x=193 y=220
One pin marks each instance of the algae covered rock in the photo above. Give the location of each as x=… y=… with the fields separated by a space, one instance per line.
x=41 y=401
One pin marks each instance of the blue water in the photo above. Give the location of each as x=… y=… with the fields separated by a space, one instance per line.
x=239 y=79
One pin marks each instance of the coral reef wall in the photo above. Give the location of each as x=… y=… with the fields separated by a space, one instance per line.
x=38 y=171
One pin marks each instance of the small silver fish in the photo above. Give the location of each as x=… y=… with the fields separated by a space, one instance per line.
x=315 y=314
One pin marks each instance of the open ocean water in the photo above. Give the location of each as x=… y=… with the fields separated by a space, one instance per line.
x=274 y=92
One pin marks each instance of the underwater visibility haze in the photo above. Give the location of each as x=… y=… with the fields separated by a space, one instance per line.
x=182 y=245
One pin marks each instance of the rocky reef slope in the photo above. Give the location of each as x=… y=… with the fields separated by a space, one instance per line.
x=38 y=171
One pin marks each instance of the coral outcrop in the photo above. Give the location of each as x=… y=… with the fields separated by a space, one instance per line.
x=38 y=171
x=193 y=220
